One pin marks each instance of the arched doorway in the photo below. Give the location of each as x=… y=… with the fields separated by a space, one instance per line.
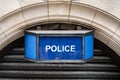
x=13 y=24
x=102 y=66
x=24 y=14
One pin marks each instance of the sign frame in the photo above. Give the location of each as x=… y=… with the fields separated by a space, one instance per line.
x=60 y=33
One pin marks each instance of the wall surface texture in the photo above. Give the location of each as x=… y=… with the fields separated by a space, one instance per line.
x=101 y=15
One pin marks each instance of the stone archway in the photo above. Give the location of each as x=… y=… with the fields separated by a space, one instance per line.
x=25 y=14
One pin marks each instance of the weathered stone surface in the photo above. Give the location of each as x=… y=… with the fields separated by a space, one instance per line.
x=3 y=41
x=7 y=6
x=82 y=13
x=24 y=3
x=11 y=23
x=111 y=6
x=101 y=36
x=106 y=23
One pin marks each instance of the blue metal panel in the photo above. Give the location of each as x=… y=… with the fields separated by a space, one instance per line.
x=60 y=48
x=30 y=46
x=88 y=46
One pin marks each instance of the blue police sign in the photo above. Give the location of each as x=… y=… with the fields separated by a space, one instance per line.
x=59 y=45
x=60 y=48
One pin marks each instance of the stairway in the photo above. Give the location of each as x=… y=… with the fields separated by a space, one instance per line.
x=13 y=66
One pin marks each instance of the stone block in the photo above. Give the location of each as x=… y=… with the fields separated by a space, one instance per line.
x=24 y=3
x=115 y=46
x=35 y=14
x=3 y=41
x=106 y=23
x=12 y=22
x=15 y=36
x=101 y=36
x=82 y=12
x=59 y=11
x=7 y=6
